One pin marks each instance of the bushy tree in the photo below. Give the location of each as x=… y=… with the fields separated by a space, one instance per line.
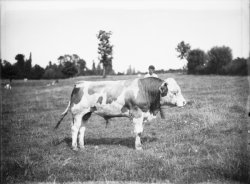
x=105 y=51
x=196 y=61
x=20 y=65
x=69 y=69
x=218 y=58
x=81 y=66
x=238 y=66
x=37 y=72
x=8 y=70
x=53 y=71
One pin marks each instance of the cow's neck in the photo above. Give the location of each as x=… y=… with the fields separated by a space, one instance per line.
x=149 y=93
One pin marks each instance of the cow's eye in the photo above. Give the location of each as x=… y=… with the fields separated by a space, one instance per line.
x=175 y=93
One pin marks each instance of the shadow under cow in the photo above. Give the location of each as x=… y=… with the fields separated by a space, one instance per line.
x=128 y=142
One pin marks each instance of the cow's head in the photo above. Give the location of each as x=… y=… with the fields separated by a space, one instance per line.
x=171 y=93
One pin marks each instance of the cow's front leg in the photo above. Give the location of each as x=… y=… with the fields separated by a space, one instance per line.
x=138 y=129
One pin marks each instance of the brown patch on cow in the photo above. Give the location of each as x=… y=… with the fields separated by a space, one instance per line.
x=76 y=95
x=100 y=100
x=92 y=109
x=124 y=109
x=164 y=89
x=135 y=112
x=139 y=102
x=110 y=99
x=113 y=92
x=86 y=116
x=147 y=99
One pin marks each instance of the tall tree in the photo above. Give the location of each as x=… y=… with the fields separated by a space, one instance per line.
x=105 y=51
x=129 y=70
x=27 y=67
x=94 y=68
x=183 y=48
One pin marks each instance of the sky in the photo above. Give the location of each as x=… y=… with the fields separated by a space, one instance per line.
x=144 y=32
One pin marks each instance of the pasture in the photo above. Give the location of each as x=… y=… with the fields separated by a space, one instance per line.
x=202 y=142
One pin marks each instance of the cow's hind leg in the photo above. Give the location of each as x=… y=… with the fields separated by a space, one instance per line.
x=85 y=119
x=138 y=129
x=77 y=120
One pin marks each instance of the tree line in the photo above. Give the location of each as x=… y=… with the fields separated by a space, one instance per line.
x=218 y=60
x=68 y=66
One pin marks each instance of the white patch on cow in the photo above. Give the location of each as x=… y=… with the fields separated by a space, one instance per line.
x=138 y=129
x=147 y=116
x=135 y=87
x=81 y=136
x=121 y=98
x=138 y=125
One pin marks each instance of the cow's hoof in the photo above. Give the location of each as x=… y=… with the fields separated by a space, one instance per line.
x=74 y=148
x=82 y=148
x=139 y=148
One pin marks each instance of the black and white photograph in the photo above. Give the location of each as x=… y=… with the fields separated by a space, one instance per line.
x=125 y=91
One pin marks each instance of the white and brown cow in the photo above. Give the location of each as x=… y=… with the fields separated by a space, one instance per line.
x=137 y=99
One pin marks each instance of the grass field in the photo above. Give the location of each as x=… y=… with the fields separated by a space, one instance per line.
x=205 y=142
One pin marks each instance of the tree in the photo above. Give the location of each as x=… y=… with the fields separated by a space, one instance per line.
x=60 y=59
x=183 y=48
x=19 y=65
x=129 y=70
x=69 y=69
x=218 y=58
x=81 y=66
x=37 y=72
x=196 y=61
x=99 y=69
x=105 y=51
x=238 y=66
x=94 y=68
x=75 y=58
x=27 y=67
x=8 y=70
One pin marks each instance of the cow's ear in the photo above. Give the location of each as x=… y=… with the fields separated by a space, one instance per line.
x=164 y=89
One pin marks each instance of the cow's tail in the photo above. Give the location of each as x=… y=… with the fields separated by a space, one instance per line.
x=62 y=116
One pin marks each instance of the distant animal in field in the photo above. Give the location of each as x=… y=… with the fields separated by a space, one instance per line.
x=7 y=86
x=137 y=99
x=53 y=83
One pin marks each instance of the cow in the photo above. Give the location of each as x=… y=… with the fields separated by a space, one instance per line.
x=7 y=86
x=137 y=99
